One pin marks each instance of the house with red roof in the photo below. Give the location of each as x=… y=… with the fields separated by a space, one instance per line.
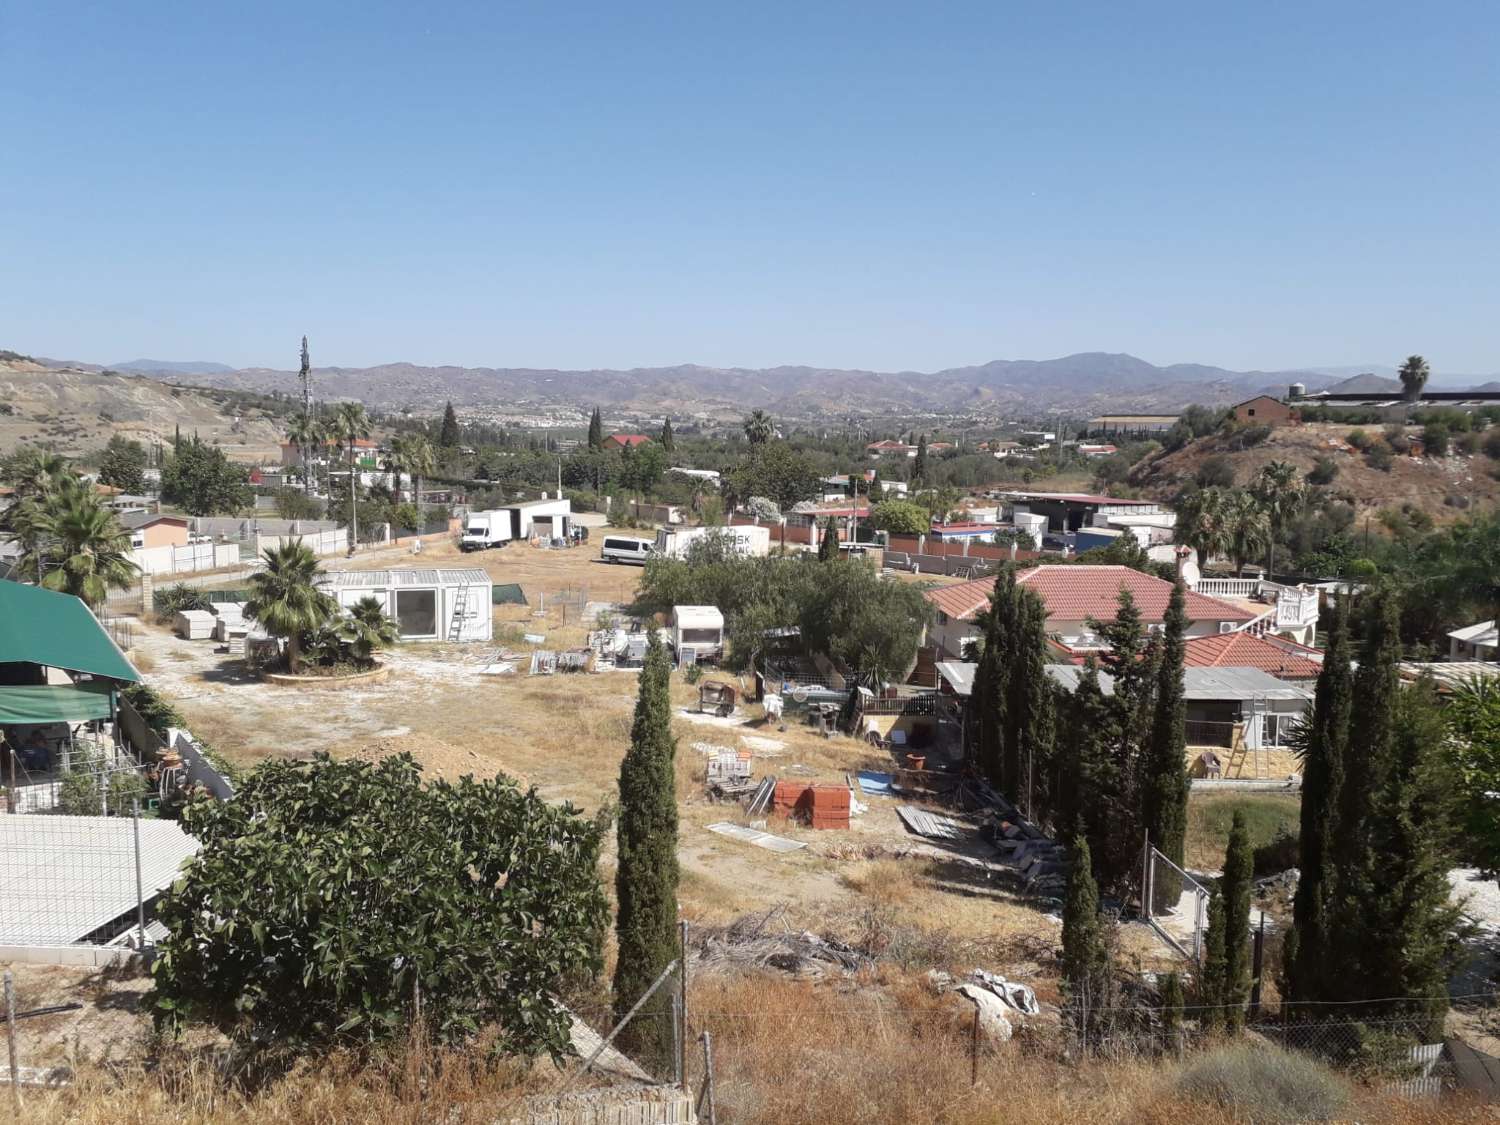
x=1284 y=659
x=624 y=441
x=890 y=449
x=1074 y=595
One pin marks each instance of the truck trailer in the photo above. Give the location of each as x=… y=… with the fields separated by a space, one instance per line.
x=748 y=539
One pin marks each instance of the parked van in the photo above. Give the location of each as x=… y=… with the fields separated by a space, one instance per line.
x=618 y=549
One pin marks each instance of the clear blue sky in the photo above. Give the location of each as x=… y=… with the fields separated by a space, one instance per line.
x=886 y=185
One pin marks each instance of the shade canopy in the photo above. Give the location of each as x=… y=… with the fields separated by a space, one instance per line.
x=79 y=703
x=56 y=630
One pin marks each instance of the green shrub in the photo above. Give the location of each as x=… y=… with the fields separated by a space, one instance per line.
x=1435 y=437
x=174 y=599
x=1492 y=443
x=1258 y=1082
x=155 y=710
x=1380 y=457
x=1323 y=471
x=1358 y=439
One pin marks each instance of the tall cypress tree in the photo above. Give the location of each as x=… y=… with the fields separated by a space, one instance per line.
x=668 y=442
x=1085 y=956
x=1327 y=735
x=1411 y=920
x=1133 y=663
x=1029 y=714
x=828 y=547
x=448 y=433
x=1367 y=761
x=1212 y=980
x=596 y=431
x=991 y=692
x=646 y=878
x=919 y=466
x=1164 y=789
x=1086 y=780
x=1237 y=884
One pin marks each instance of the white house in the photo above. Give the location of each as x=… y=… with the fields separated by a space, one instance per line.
x=1474 y=642
x=427 y=604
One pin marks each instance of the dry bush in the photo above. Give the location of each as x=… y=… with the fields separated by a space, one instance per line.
x=1264 y=1083
x=143 y=661
x=889 y=882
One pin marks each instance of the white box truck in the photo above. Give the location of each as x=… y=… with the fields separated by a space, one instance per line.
x=485 y=529
x=749 y=539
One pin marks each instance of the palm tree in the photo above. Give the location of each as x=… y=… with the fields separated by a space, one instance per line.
x=759 y=428
x=1202 y=522
x=306 y=432
x=368 y=628
x=285 y=598
x=1248 y=528
x=420 y=463
x=394 y=463
x=93 y=547
x=1413 y=375
x=1278 y=487
x=350 y=424
x=37 y=478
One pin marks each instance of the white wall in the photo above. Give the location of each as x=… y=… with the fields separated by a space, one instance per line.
x=193 y=556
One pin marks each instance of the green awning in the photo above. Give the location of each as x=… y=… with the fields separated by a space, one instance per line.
x=56 y=630
x=77 y=704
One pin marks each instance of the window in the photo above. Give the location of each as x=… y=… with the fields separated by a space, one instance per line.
x=1251 y=412
x=416 y=613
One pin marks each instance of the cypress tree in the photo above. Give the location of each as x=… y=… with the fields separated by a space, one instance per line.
x=1133 y=664
x=448 y=434
x=1172 y=1002
x=1029 y=712
x=646 y=877
x=828 y=548
x=1164 y=773
x=596 y=431
x=919 y=466
x=1085 y=957
x=1086 y=781
x=1411 y=919
x=1212 y=980
x=1327 y=737
x=1367 y=762
x=988 y=697
x=668 y=442
x=1238 y=885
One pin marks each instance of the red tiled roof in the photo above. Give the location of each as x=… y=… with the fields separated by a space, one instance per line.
x=1077 y=593
x=1246 y=650
x=628 y=439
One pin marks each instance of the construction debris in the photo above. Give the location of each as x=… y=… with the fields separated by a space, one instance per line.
x=930 y=825
x=1000 y=1003
x=765 y=941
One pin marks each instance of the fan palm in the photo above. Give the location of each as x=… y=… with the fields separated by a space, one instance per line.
x=285 y=598
x=350 y=424
x=1413 y=375
x=306 y=431
x=93 y=547
x=759 y=428
x=1278 y=487
x=420 y=463
x=1202 y=522
x=1248 y=528
x=37 y=478
x=394 y=463
x=368 y=628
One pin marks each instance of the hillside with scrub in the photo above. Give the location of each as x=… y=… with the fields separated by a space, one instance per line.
x=1369 y=467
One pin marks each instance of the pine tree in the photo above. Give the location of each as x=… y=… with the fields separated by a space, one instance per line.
x=448 y=434
x=919 y=466
x=828 y=548
x=1164 y=772
x=668 y=442
x=596 y=431
x=1306 y=950
x=1085 y=956
x=646 y=876
x=1213 y=978
x=1237 y=886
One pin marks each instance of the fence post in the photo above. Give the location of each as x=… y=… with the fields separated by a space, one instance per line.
x=140 y=891
x=974 y=1050
x=10 y=1029
x=682 y=1001
x=708 y=1080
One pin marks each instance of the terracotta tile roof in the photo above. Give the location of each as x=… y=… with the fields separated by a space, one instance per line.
x=628 y=439
x=1076 y=593
x=1246 y=650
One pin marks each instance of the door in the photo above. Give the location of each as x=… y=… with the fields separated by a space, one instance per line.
x=416 y=613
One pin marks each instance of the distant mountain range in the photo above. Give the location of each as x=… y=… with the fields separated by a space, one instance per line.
x=1085 y=382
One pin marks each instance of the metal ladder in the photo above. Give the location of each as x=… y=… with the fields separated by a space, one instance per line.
x=460 y=607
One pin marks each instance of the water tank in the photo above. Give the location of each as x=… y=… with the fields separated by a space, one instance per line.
x=1296 y=391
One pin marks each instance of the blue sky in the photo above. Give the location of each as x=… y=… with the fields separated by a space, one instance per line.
x=892 y=186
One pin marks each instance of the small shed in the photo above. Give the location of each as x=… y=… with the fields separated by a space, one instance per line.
x=426 y=603
x=194 y=624
x=697 y=633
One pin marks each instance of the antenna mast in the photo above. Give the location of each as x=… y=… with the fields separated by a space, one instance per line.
x=306 y=376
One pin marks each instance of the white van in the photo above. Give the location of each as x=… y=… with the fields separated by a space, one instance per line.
x=618 y=549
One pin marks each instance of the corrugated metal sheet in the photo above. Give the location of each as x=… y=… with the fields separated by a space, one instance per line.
x=406 y=577
x=756 y=837
x=1202 y=684
x=928 y=824
x=69 y=875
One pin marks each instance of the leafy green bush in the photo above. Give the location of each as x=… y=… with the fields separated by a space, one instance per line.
x=1263 y=1083
x=85 y=787
x=1380 y=457
x=1358 y=439
x=1492 y=442
x=1323 y=471
x=1435 y=437
x=158 y=713
x=328 y=896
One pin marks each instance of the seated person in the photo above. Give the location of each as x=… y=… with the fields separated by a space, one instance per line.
x=34 y=752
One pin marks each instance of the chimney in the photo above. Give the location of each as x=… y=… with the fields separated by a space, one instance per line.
x=1182 y=557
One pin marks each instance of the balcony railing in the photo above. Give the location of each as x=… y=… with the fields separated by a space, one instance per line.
x=1229 y=587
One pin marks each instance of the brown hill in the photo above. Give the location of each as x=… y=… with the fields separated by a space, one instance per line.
x=75 y=412
x=1435 y=485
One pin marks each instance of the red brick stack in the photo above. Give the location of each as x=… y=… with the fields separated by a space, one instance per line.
x=821 y=806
